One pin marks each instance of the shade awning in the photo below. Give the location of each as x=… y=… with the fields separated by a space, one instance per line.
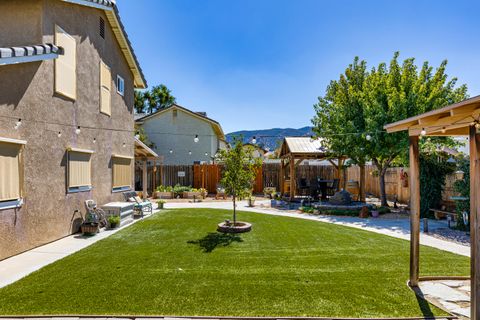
x=303 y=147
x=143 y=151
x=30 y=53
x=451 y=120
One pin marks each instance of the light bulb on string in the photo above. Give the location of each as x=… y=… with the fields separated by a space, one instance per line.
x=196 y=138
x=94 y=140
x=59 y=134
x=206 y=154
x=77 y=131
x=368 y=137
x=18 y=124
x=423 y=132
x=254 y=140
x=444 y=130
x=171 y=151
x=190 y=153
x=124 y=144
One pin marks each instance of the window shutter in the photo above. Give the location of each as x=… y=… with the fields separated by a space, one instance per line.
x=10 y=171
x=66 y=64
x=122 y=172
x=105 y=85
x=79 y=169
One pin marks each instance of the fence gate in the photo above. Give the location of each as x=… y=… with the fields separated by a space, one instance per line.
x=206 y=176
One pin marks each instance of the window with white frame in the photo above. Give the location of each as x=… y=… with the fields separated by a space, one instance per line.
x=11 y=173
x=120 y=85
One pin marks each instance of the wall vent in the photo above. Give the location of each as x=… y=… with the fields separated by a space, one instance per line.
x=102 y=28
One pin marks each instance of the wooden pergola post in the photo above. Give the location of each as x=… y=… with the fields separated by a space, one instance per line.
x=474 y=221
x=414 y=210
x=144 y=179
x=282 y=176
x=292 y=177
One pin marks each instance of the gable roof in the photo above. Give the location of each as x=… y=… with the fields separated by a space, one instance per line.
x=113 y=17
x=216 y=126
x=305 y=147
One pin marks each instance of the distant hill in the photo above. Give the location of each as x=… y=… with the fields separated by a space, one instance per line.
x=270 y=138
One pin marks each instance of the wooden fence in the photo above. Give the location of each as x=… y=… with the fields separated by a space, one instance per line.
x=208 y=176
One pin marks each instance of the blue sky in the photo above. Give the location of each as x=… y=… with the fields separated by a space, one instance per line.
x=256 y=64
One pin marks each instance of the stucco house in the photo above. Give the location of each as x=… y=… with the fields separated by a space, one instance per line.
x=182 y=136
x=67 y=74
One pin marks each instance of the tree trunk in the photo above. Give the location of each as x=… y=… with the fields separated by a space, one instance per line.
x=362 y=183
x=234 y=210
x=383 y=194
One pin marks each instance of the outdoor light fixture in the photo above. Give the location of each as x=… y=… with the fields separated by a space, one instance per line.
x=423 y=132
x=18 y=124
x=59 y=134
x=254 y=140
x=459 y=174
x=171 y=151
x=94 y=140
x=206 y=154
x=137 y=136
x=368 y=137
x=190 y=152
x=444 y=130
x=77 y=131
x=196 y=138
x=124 y=144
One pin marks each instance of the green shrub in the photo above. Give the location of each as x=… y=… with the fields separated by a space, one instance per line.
x=178 y=190
x=113 y=221
x=383 y=210
x=306 y=209
x=164 y=188
x=341 y=212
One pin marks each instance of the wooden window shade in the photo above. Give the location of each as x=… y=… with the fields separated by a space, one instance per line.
x=105 y=86
x=11 y=171
x=79 y=169
x=122 y=172
x=66 y=64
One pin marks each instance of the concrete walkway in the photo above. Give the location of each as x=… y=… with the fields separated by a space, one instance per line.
x=19 y=266
x=397 y=228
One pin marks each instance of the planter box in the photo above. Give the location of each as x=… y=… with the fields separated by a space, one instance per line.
x=163 y=195
x=124 y=210
x=190 y=195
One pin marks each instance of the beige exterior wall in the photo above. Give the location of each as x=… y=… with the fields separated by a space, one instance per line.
x=48 y=212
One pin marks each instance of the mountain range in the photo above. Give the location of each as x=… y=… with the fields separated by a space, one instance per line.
x=270 y=138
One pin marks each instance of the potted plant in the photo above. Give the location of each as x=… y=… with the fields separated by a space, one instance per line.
x=203 y=192
x=269 y=192
x=164 y=192
x=113 y=221
x=160 y=204
x=90 y=225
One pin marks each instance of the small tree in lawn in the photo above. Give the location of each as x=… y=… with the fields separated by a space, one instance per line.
x=239 y=172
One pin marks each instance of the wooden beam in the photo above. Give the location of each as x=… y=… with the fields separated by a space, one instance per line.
x=298 y=162
x=474 y=139
x=414 y=211
x=466 y=109
x=292 y=177
x=333 y=163
x=144 y=179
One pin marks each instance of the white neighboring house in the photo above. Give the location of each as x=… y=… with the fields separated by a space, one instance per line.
x=181 y=136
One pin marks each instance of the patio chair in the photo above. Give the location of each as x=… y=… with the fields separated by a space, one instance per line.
x=333 y=187
x=140 y=206
x=220 y=192
x=302 y=186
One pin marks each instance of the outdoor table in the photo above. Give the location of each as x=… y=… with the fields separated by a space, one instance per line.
x=323 y=187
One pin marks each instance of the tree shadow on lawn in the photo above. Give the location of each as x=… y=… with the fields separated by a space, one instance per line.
x=216 y=239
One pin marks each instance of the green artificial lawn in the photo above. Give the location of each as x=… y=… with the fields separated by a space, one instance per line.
x=174 y=263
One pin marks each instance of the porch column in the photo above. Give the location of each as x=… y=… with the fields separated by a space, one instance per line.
x=414 y=210
x=474 y=222
x=282 y=176
x=144 y=179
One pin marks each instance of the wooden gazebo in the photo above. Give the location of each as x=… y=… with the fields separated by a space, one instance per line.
x=143 y=154
x=293 y=151
x=459 y=119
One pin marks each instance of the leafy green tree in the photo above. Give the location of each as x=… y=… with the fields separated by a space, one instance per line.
x=239 y=171
x=157 y=98
x=361 y=102
x=139 y=101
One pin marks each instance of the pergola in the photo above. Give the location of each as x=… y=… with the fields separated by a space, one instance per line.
x=143 y=153
x=296 y=149
x=459 y=119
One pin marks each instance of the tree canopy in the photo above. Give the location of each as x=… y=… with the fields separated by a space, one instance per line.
x=159 y=97
x=352 y=113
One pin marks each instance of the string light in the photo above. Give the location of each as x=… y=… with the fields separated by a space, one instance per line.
x=190 y=152
x=77 y=131
x=59 y=134
x=254 y=140
x=206 y=154
x=18 y=124
x=444 y=130
x=368 y=137
x=124 y=145
x=171 y=151
x=423 y=132
x=94 y=140
x=196 y=138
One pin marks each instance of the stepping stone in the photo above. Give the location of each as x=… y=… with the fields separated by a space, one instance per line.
x=462 y=312
x=453 y=283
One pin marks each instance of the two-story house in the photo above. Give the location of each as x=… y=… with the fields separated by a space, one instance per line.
x=182 y=136
x=67 y=78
